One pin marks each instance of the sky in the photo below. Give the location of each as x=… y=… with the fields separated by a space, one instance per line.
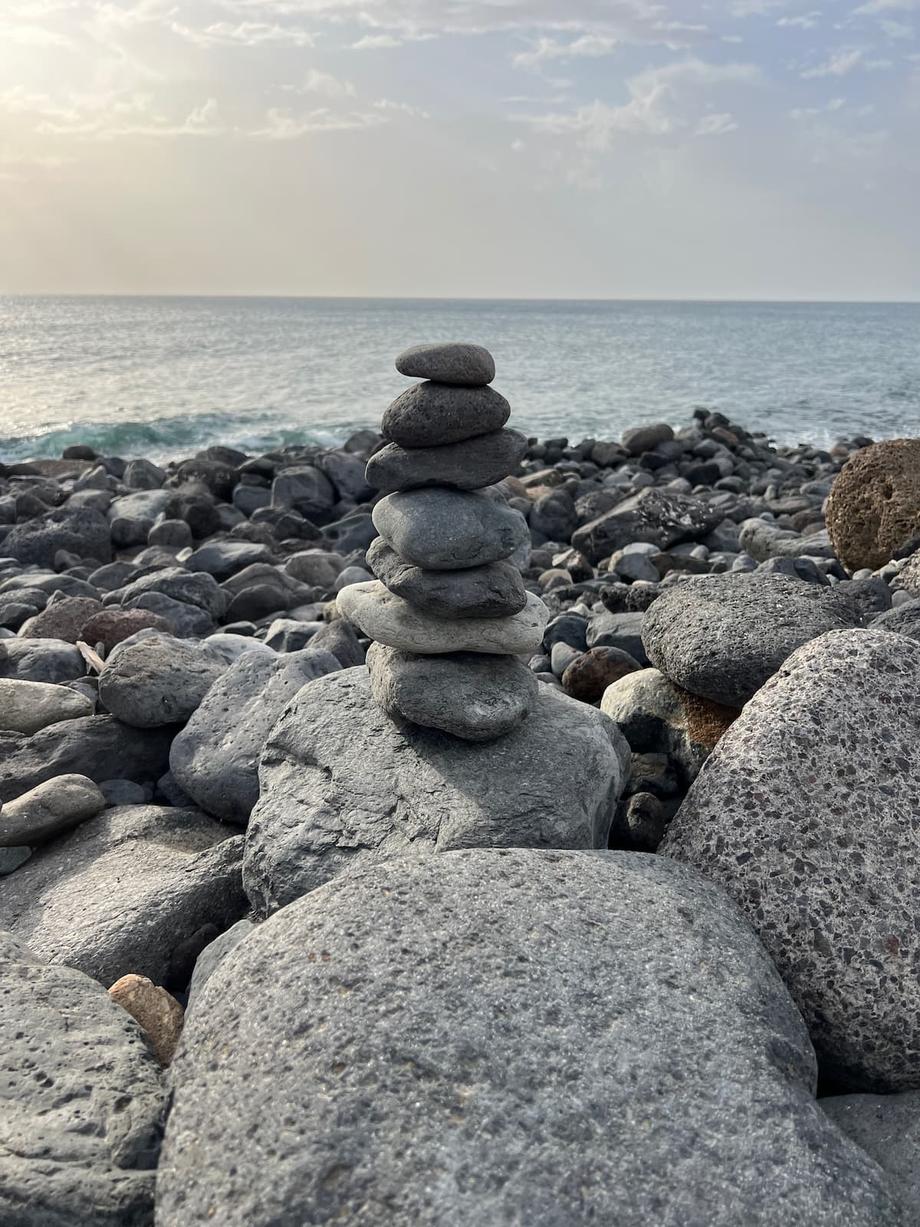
x=461 y=148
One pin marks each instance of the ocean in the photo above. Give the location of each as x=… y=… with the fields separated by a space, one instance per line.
x=161 y=377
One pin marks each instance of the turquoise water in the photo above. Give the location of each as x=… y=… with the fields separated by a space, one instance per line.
x=163 y=376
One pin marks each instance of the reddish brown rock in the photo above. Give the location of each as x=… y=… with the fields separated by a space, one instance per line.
x=63 y=619
x=111 y=626
x=874 y=506
x=589 y=675
x=157 y=1013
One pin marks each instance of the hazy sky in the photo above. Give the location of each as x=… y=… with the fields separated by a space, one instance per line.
x=613 y=148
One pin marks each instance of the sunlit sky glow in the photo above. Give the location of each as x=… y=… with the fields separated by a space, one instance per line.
x=518 y=148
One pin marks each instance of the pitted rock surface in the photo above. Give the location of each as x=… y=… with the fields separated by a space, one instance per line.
x=874 y=505
x=491 y=591
x=430 y=414
x=458 y=362
x=449 y=530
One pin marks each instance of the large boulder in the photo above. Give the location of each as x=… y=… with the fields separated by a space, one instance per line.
x=662 y=517
x=82 y=1100
x=722 y=636
x=342 y=785
x=514 y=1036
x=81 y=531
x=215 y=758
x=806 y=813
x=141 y=888
x=887 y=1127
x=874 y=505
x=99 y=747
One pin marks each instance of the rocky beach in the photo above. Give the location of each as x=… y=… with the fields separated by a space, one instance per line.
x=454 y=827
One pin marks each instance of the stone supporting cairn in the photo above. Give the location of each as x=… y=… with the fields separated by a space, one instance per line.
x=449 y=613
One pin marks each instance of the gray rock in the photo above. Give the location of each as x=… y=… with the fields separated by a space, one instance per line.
x=471 y=696
x=224 y=558
x=662 y=517
x=723 y=636
x=469 y=465
x=339 y=638
x=506 y=1037
x=190 y=587
x=128 y=891
x=458 y=362
x=12 y=858
x=316 y=567
x=40 y=660
x=290 y=634
x=803 y=812
x=491 y=591
x=432 y=414
x=305 y=489
x=62 y=620
x=902 y=620
x=188 y=621
x=346 y=472
x=48 y=810
x=391 y=620
x=215 y=758
x=342 y=785
x=158 y=680
x=26 y=707
x=81 y=531
x=887 y=1127
x=83 y=1100
x=641 y=439
x=93 y=746
x=617 y=630
x=764 y=540
x=143 y=474
x=449 y=530
x=553 y=516
x=125 y=792
x=213 y=955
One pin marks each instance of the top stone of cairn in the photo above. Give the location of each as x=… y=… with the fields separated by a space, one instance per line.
x=457 y=362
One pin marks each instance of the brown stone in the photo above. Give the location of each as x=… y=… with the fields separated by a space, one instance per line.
x=111 y=626
x=157 y=1013
x=874 y=506
x=63 y=619
x=705 y=720
x=589 y=675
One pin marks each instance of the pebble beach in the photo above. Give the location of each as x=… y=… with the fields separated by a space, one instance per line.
x=457 y=826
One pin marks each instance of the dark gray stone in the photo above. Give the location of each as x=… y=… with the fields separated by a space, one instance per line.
x=469 y=465
x=213 y=955
x=158 y=680
x=215 y=758
x=662 y=517
x=722 y=636
x=887 y=1127
x=617 y=630
x=224 y=558
x=490 y=591
x=346 y=472
x=471 y=696
x=190 y=587
x=553 y=516
x=902 y=620
x=305 y=489
x=62 y=620
x=188 y=621
x=458 y=362
x=127 y=891
x=93 y=746
x=432 y=414
x=48 y=810
x=449 y=530
x=342 y=785
x=81 y=531
x=641 y=439
x=805 y=813
x=83 y=1100
x=40 y=660
x=506 y=1036
x=339 y=638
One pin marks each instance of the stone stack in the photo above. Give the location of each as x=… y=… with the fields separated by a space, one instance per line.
x=449 y=613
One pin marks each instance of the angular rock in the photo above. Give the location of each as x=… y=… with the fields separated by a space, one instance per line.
x=449 y=530
x=886 y=1127
x=457 y=362
x=874 y=505
x=467 y=694
x=40 y=660
x=158 y=680
x=83 y=1100
x=48 y=810
x=545 y=1082
x=224 y=558
x=469 y=465
x=305 y=489
x=342 y=785
x=391 y=620
x=660 y=516
x=26 y=707
x=433 y=414
x=723 y=636
x=215 y=758
x=158 y=1014
x=339 y=639
x=491 y=591
x=93 y=746
x=804 y=813
x=128 y=891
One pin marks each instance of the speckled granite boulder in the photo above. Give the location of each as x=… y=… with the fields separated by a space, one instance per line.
x=887 y=1127
x=874 y=505
x=504 y=1037
x=342 y=785
x=82 y=1100
x=806 y=813
x=722 y=636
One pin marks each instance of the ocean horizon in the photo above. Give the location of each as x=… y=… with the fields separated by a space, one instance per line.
x=165 y=375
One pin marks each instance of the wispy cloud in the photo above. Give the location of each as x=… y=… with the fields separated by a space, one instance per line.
x=546 y=49
x=837 y=65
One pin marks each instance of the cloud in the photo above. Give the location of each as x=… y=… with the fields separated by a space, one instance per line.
x=715 y=125
x=405 y=108
x=324 y=83
x=837 y=65
x=805 y=21
x=545 y=49
x=246 y=34
x=372 y=42
x=835 y=104
x=282 y=125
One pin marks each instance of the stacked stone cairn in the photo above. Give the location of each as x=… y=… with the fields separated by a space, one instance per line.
x=451 y=620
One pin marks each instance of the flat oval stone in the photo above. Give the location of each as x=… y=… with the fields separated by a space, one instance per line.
x=431 y=414
x=458 y=362
x=469 y=465
x=493 y=591
x=449 y=530
x=393 y=621
x=474 y=696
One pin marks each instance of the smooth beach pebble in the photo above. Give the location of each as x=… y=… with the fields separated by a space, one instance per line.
x=429 y=414
x=469 y=465
x=457 y=362
x=491 y=591
x=449 y=530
